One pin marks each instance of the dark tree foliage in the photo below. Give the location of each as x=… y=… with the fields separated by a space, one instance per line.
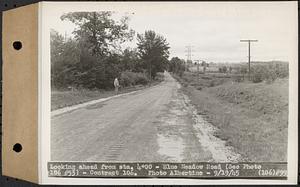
x=92 y=58
x=131 y=61
x=88 y=60
x=223 y=69
x=177 y=65
x=153 y=51
x=99 y=30
x=64 y=60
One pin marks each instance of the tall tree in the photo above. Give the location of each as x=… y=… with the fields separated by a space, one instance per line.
x=154 y=51
x=64 y=60
x=98 y=34
x=130 y=60
x=100 y=30
x=177 y=65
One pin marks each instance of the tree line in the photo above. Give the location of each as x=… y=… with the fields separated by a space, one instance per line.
x=93 y=57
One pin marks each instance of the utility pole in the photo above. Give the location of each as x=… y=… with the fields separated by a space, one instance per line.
x=189 y=55
x=249 y=56
x=198 y=68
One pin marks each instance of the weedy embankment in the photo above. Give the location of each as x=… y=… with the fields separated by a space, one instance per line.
x=251 y=117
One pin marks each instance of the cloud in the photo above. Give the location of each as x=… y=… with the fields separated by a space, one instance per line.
x=214 y=29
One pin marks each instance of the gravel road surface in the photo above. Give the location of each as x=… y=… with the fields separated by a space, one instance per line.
x=154 y=124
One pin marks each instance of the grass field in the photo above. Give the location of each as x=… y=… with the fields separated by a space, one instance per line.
x=251 y=117
x=60 y=99
x=63 y=98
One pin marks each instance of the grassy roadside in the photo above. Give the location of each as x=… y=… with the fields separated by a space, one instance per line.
x=61 y=99
x=251 y=117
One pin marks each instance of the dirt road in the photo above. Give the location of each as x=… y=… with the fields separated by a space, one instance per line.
x=154 y=124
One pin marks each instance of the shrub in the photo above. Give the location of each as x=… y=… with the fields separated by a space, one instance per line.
x=282 y=70
x=269 y=72
x=129 y=78
x=257 y=74
x=141 y=79
x=223 y=69
x=241 y=70
x=238 y=78
x=126 y=79
x=159 y=76
x=212 y=83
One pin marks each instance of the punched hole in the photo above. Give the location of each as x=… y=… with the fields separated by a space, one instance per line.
x=17 y=45
x=17 y=147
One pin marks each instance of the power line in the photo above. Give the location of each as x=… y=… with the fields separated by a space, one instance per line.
x=249 y=56
x=189 y=55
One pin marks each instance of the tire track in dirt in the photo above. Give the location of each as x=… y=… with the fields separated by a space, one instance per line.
x=205 y=132
x=183 y=135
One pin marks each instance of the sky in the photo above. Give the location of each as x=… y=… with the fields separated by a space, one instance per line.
x=214 y=30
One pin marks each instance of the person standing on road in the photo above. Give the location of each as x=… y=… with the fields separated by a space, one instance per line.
x=117 y=85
